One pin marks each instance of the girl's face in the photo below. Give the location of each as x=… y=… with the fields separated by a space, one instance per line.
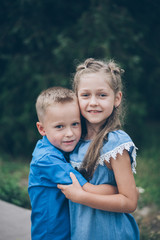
x=96 y=99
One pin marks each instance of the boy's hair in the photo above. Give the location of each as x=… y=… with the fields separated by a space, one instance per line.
x=113 y=76
x=51 y=96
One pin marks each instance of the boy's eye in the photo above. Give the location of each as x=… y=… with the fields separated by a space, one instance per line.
x=75 y=124
x=59 y=126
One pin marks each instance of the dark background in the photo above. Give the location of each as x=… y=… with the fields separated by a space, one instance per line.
x=41 y=42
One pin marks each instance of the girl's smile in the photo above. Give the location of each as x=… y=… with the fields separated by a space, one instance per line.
x=94 y=111
x=96 y=99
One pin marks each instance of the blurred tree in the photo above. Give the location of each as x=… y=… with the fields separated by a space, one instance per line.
x=42 y=41
x=123 y=31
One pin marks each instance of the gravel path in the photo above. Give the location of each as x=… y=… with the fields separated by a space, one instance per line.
x=14 y=222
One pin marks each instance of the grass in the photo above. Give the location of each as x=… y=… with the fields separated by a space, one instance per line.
x=148 y=177
x=148 y=166
x=14 y=181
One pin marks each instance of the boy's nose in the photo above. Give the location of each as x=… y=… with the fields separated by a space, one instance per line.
x=69 y=132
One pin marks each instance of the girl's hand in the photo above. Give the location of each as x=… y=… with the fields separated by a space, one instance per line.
x=73 y=191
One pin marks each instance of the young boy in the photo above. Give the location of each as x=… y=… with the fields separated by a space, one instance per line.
x=59 y=124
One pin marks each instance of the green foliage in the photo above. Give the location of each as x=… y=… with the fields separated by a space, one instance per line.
x=148 y=165
x=148 y=178
x=42 y=41
x=147 y=234
x=13 y=193
x=13 y=182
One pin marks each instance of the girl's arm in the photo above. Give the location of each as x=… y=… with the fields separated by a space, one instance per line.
x=102 y=189
x=124 y=201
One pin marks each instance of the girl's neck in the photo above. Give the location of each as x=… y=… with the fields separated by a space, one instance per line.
x=92 y=131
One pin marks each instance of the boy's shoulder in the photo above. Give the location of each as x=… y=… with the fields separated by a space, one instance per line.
x=44 y=149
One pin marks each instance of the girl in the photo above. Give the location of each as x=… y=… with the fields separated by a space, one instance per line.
x=106 y=154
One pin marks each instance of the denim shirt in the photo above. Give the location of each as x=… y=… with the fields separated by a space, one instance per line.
x=50 y=211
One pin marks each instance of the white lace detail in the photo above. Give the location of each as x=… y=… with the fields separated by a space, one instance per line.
x=113 y=154
x=120 y=149
x=75 y=164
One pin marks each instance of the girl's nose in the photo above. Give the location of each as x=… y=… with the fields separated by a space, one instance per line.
x=93 y=101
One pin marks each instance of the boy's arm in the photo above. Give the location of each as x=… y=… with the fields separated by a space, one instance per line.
x=53 y=170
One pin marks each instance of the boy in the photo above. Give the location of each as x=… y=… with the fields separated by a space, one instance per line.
x=59 y=124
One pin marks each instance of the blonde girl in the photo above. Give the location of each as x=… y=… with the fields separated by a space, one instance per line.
x=106 y=154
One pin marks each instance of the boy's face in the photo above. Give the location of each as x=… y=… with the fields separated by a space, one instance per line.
x=62 y=125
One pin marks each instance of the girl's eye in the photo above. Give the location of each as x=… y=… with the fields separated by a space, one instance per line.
x=103 y=95
x=84 y=94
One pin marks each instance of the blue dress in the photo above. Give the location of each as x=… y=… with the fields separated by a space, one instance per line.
x=88 y=223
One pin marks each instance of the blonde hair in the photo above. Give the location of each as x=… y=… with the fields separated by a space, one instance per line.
x=113 y=122
x=51 y=96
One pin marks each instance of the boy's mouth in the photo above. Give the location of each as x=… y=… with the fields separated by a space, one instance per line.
x=68 y=142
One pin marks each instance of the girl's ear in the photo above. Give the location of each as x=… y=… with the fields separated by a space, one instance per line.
x=118 y=99
x=40 y=128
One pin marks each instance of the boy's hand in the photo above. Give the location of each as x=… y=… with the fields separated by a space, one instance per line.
x=73 y=191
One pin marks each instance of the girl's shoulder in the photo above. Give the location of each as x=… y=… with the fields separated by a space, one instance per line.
x=78 y=154
x=117 y=142
x=118 y=137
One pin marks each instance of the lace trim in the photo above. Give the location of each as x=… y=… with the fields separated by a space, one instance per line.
x=75 y=164
x=120 y=149
x=113 y=154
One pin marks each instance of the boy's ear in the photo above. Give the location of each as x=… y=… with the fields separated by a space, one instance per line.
x=40 y=128
x=118 y=99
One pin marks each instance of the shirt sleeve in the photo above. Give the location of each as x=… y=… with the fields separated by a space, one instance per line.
x=53 y=170
x=118 y=141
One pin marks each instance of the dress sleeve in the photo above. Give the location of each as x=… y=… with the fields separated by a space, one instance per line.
x=118 y=141
x=53 y=170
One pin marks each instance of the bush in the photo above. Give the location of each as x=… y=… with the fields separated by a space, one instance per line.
x=13 y=183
